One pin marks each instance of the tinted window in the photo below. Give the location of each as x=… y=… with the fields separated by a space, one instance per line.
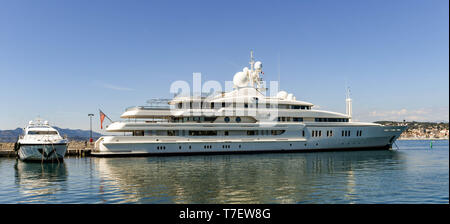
x=42 y=133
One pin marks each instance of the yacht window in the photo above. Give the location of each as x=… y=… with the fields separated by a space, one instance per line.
x=238 y=119
x=298 y=119
x=202 y=133
x=295 y=106
x=42 y=133
x=138 y=133
x=223 y=104
x=170 y=133
x=227 y=119
x=277 y=132
x=267 y=105
x=246 y=105
x=250 y=132
x=226 y=133
x=211 y=119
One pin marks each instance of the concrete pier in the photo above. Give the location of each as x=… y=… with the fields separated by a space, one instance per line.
x=74 y=149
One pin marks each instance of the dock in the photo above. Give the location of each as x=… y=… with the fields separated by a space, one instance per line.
x=79 y=149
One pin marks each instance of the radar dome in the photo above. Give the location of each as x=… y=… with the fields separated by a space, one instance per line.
x=290 y=96
x=245 y=70
x=240 y=79
x=258 y=65
x=282 y=94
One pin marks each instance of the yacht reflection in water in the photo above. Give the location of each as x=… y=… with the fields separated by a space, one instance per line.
x=37 y=182
x=258 y=178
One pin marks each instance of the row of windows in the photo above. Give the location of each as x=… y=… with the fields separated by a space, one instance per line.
x=205 y=147
x=239 y=119
x=300 y=107
x=228 y=119
x=331 y=119
x=211 y=133
x=246 y=105
x=42 y=133
x=198 y=119
x=200 y=133
x=345 y=133
x=318 y=133
x=295 y=119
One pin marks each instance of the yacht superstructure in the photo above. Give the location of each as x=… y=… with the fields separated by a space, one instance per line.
x=41 y=142
x=240 y=121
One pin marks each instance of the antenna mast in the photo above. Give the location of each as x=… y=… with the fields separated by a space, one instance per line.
x=252 y=61
x=348 y=104
x=279 y=84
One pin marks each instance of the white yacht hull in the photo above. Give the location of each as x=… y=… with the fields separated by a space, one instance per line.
x=377 y=137
x=42 y=152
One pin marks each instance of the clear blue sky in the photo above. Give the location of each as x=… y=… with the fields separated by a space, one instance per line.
x=64 y=59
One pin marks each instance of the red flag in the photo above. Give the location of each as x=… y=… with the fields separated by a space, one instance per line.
x=102 y=117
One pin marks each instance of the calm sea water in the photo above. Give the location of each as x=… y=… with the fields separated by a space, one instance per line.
x=413 y=174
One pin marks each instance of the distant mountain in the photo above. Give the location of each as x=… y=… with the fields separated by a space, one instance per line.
x=10 y=135
x=72 y=134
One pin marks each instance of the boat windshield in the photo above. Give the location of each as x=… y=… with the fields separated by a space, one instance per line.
x=42 y=133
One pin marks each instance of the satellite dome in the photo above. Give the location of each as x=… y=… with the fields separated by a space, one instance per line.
x=282 y=94
x=240 y=79
x=258 y=65
x=245 y=70
x=290 y=96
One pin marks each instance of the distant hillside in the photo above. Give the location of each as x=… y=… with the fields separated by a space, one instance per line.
x=72 y=134
x=417 y=125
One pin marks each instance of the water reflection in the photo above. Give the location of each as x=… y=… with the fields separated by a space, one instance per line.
x=259 y=178
x=39 y=182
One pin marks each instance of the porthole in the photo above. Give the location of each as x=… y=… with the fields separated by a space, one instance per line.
x=238 y=119
x=227 y=119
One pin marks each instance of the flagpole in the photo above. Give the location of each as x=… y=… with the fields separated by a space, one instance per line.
x=90 y=135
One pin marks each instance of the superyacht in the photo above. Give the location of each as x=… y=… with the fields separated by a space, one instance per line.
x=243 y=120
